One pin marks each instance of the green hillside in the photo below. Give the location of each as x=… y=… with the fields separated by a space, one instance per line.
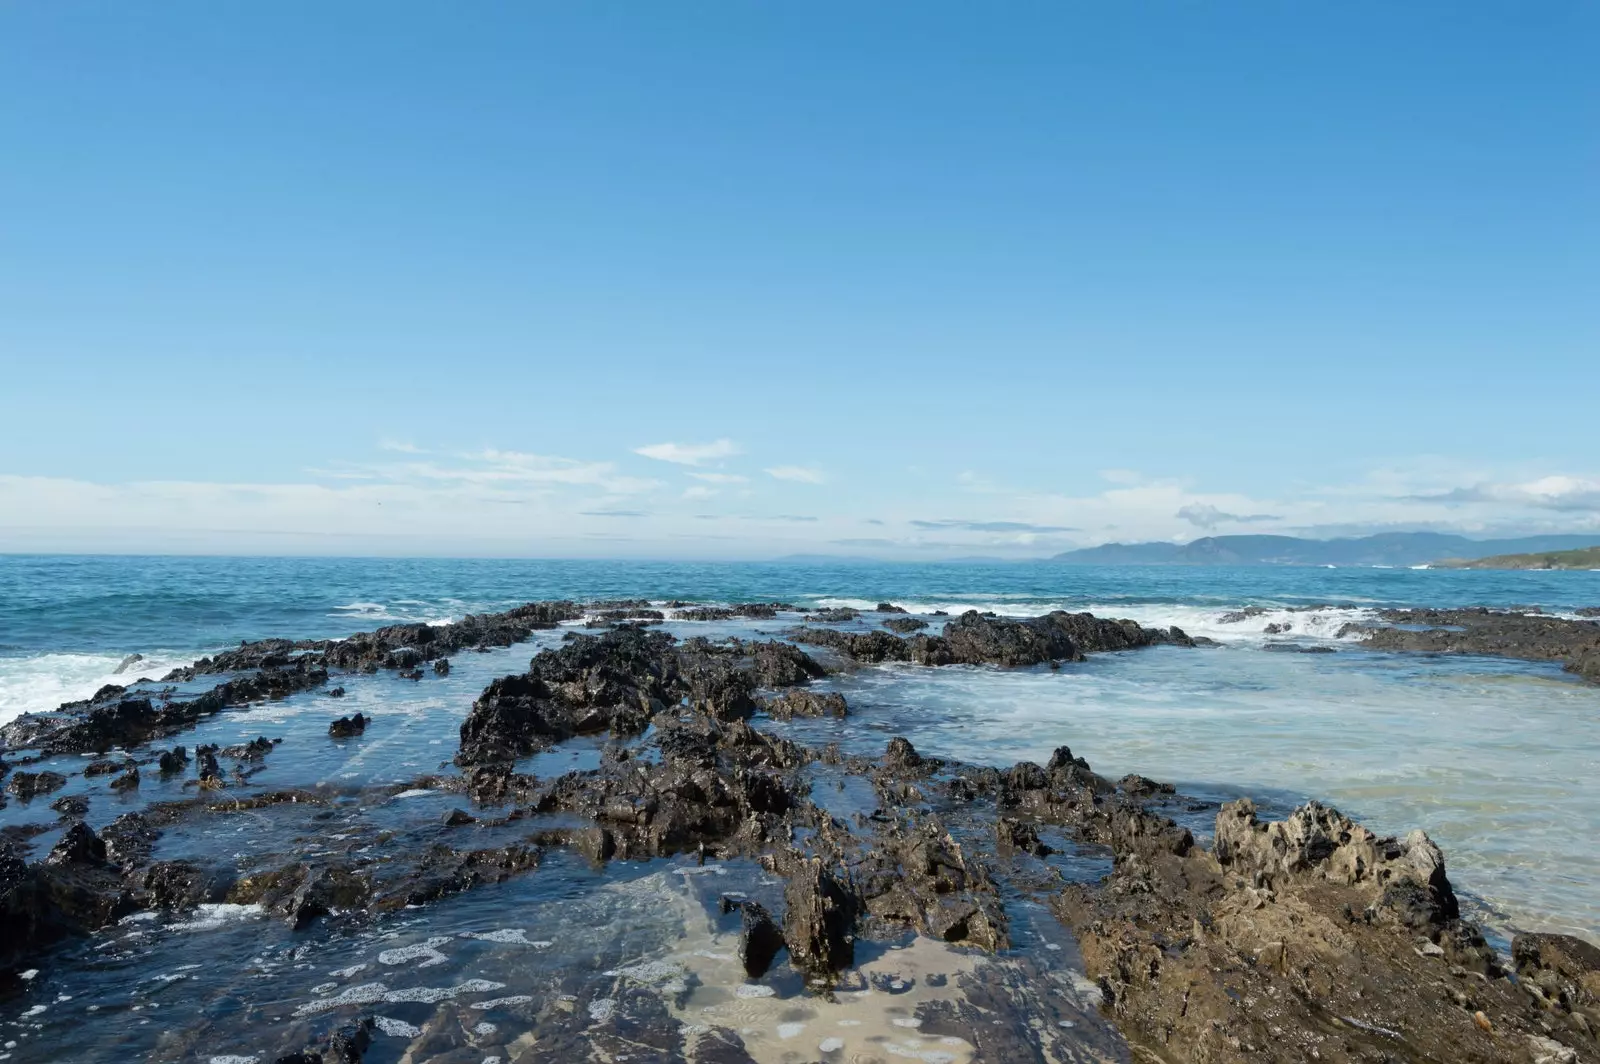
x=1587 y=558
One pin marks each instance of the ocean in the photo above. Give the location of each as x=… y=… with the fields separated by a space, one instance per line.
x=1498 y=760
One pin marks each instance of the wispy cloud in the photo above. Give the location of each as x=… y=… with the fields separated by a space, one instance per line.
x=1204 y=515
x=401 y=446
x=799 y=474
x=1560 y=493
x=691 y=454
x=613 y=513
x=699 y=491
x=991 y=526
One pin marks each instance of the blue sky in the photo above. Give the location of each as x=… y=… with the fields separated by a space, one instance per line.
x=732 y=279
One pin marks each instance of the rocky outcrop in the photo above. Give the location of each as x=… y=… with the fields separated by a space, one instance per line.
x=1309 y=938
x=266 y=670
x=759 y=939
x=819 y=924
x=1562 y=974
x=803 y=703
x=618 y=683
x=1495 y=633
x=30 y=785
x=986 y=639
x=348 y=727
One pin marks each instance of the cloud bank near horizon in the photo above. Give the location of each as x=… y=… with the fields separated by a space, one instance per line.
x=408 y=498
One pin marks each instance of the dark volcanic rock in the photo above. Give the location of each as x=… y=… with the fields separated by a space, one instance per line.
x=29 y=785
x=759 y=939
x=350 y=1043
x=804 y=703
x=617 y=683
x=1015 y=834
x=72 y=805
x=889 y=607
x=901 y=756
x=346 y=727
x=1532 y=637
x=984 y=639
x=905 y=625
x=819 y=926
x=174 y=760
x=834 y=616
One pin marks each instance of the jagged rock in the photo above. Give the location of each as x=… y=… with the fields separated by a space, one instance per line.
x=804 y=703
x=350 y=1043
x=1407 y=876
x=901 y=756
x=174 y=760
x=618 y=683
x=759 y=939
x=841 y=615
x=129 y=780
x=29 y=785
x=72 y=805
x=254 y=750
x=819 y=926
x=79 y=845
x=206 y=767
x=1015 y=834
x=441 y=667
x=347 y=727
x=905 y=625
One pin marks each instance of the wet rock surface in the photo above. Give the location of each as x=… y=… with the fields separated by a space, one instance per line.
x=1301 y=938
x=985 y=639
x=1528 y=635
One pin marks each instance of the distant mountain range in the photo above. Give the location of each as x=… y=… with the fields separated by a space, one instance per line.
x=1388 y=548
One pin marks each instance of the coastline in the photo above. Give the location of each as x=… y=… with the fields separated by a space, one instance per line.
x=954 y=822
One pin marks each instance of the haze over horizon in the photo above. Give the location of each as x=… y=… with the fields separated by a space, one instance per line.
x=748 y=281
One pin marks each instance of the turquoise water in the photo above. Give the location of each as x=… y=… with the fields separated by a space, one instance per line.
x=1498 y=760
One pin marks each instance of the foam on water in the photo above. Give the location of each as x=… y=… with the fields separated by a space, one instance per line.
x=404 y=611
x=1213 y=622
x=37 y=683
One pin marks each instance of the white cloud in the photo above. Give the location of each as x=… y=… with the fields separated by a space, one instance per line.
x=801 y=474
x=692 y=454
x=401 y=446
x=1559 y=493
x=699 y=491
x=720 y=478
